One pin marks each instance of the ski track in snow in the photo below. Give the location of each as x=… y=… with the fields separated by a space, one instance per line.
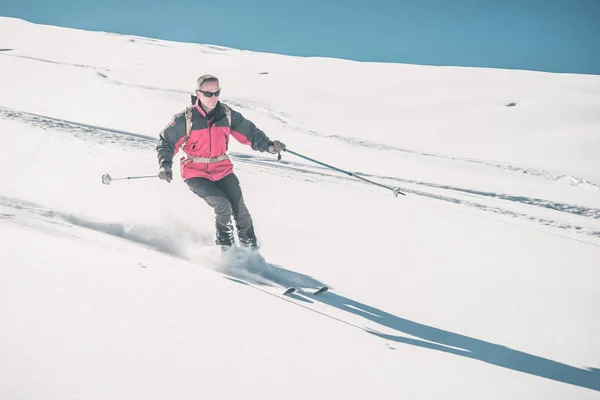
x=560 y=207
x=573 y=181
x=141 y=142
x=92 y=67
x=246 y=105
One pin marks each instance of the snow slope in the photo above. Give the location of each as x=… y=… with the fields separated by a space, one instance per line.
x=481 y=282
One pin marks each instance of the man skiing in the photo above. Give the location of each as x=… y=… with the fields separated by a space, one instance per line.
x=202 y=131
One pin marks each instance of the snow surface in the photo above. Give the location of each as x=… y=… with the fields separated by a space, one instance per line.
x=481 y=283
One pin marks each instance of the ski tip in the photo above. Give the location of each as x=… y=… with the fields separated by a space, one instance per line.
x=289 y=291
x=321 y=290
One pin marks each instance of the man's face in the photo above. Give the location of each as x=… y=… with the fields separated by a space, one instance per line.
x=206 y=89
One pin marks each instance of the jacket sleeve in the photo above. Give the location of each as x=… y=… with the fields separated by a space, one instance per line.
x=170 y=139
x=245 y=132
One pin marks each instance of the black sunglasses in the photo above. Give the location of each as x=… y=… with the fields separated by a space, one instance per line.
x=210 y=94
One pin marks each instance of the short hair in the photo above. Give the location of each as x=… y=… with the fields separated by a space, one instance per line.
x=206 y=78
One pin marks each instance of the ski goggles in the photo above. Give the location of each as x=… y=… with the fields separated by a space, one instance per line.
x=210 y=94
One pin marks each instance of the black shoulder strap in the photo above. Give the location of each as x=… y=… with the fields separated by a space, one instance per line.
x=188 y=124
x=227 y=112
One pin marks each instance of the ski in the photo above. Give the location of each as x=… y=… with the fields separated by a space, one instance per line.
x=315 y=292
x=320 y=290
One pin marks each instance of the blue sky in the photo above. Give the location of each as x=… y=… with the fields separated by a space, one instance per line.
x=543 y=35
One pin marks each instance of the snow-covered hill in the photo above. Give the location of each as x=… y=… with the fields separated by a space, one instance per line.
x=481 y=283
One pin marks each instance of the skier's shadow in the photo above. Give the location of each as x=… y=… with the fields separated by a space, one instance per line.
x=463 y=345
x=428 y=337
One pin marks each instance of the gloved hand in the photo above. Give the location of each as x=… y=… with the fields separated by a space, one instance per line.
x=276 y=147
x=165 y=173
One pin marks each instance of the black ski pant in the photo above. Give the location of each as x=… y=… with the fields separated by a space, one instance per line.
x=225 y=197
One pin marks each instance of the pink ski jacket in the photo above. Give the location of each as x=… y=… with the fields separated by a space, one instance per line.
x=209 y=138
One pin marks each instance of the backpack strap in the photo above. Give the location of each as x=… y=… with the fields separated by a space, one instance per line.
x=227 y=113
x=188 y=124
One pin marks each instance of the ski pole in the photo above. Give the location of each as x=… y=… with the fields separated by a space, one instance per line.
x=107 y=179
x=396 y=191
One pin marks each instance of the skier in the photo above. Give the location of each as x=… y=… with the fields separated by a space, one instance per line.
x=202 y=131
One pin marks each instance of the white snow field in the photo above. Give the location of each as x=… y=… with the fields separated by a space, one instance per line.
x=483 y=282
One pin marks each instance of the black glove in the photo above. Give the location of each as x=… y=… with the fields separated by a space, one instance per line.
x=276 y=147
x=165 y=173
